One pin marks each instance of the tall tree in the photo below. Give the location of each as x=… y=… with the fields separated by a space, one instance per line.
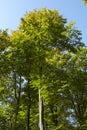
x=41 y=34
x=45 y=29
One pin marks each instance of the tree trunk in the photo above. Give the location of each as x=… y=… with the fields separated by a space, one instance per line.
x=41 y=112
x=29 y=105
x=28 y=117
x=17 y=104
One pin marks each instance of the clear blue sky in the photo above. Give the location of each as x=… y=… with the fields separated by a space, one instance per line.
x=74 y=10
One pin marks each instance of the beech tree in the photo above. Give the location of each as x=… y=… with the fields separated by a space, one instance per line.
x=40 y=29
x=40 y=34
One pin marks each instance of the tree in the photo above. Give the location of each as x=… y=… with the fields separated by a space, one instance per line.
x=40 y=31
x=79 y=90
x=41 y=34
x=75 y=90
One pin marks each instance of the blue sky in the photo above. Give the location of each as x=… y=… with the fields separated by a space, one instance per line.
x=74 y=10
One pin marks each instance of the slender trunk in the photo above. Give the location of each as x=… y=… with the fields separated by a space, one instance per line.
x=17 y=104
x=10 y=123
x=28 y=117
x=41 y=112
x=15 y=95
x=28 y=106
x=41 y=108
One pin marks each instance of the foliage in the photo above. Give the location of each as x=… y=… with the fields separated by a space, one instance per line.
x=85 y=2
